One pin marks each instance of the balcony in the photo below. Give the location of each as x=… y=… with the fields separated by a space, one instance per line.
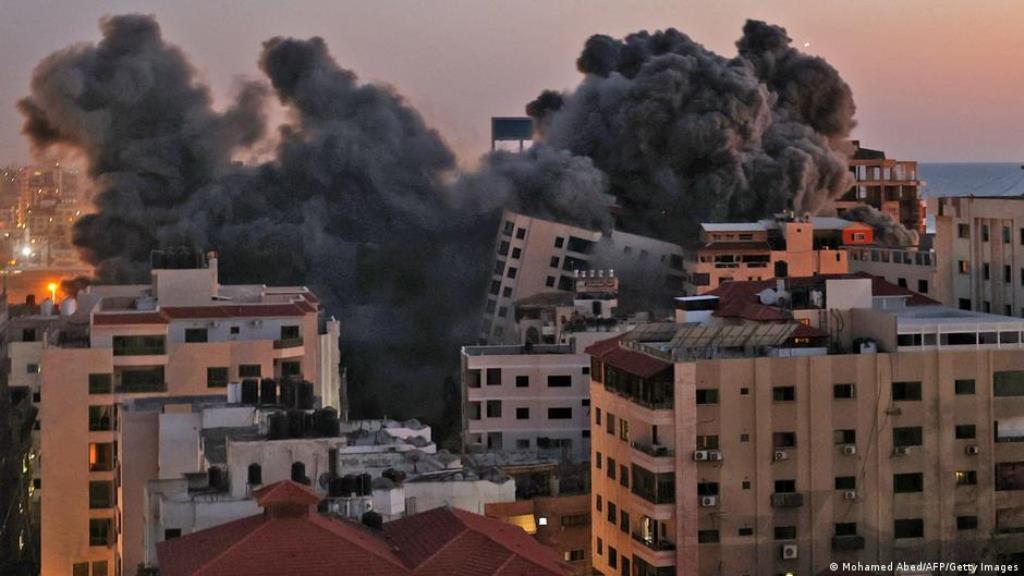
x=655 y=545
x=848 y=542
x=787 y=500
x=285 y=343
x=653 y=450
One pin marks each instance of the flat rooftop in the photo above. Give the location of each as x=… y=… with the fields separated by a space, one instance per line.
x=945 y=317
x=536 y=349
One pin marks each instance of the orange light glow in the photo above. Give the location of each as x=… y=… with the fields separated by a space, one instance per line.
x=52 y=287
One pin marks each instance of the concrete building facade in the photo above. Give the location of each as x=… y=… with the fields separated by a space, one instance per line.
x=891 y=186
x=183 y=334
x=890 y=432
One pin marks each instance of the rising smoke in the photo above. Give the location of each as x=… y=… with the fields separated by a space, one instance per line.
x=688 y=136
x=361 y=201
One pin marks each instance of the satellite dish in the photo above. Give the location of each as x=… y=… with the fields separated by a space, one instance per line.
x=768 y=297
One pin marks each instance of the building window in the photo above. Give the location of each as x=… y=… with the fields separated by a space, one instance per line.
x=906 y=391
x=559 y=242
x=80 y=569
x=511 y=273
x=597 y=416
x=250 y=370
x=100 y=531
x=32 y=368
x=609 y=423
x=908 y=528
x=101 y=494
x=844 y=436
x=550 y=281
x=842 y=391
x=966 y=522
x=783 y=393
x=785 y=486
x=502 y=311
x=846 y=482
x=1008 y=383
x=846 y=529
x=744 y=391
x=623 y=429
x=613 y=511
x=624 y=521
x=101 y=457
x=965 y=431
x=216 y=377
x=964 y=386
x=746 y=532
x=745 y=484
x=522 y=443
x=784 y=440
x=598 y=501
x=613 y=557
x=494 y=408
x=623 y=476
x=600 y=546
x=560 y=413
x=506 y=292
x=785 y=532
x=1010 y=476
x=707 y=489
x=707 y=442
x=573 y=556
x=963 y=267
x=559 y=381
x=922 y=286
x=101 y=383
x=494 y=376
x=101 y=418
x=1007 y=274
x=904 y=483
x=964 y=231
x=611 y=470
x=966 y=477
x=555 y=261
x=100 y=568
x=907 y=436
x=522 y=381
x=707 y=396
x=139 y=345
x=196 y=335
x=522 y=413
x=984 y=232
x=516 y=253
x=985 y=271
x=707 y=537
x=520 y=233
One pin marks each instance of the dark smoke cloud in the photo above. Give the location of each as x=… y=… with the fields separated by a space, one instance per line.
x=686 y=135
x=888 y=232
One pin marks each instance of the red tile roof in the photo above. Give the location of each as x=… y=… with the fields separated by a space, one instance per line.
x=448 y=541
x=290 y=537
x=611 y=353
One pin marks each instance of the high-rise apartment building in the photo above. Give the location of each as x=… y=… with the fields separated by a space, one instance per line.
x=891 y=186
x=775 y=247
x=780 y=426
x=184 y=334
x=533 y=255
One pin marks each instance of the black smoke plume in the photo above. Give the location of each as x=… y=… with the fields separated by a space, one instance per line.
x=888 y=231
x=688 y=136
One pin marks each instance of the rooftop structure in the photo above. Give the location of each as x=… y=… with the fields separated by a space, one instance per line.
x=290 y=537
x=785 y=246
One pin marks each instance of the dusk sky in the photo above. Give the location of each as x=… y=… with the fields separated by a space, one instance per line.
x=934 y=80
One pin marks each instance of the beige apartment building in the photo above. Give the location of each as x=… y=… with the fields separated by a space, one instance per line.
x=774 y=431
x=891 y=186
x=779 y=247
x=533 y=255
x=184 y=334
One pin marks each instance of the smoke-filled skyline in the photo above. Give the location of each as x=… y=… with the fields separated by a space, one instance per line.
x=358 y=198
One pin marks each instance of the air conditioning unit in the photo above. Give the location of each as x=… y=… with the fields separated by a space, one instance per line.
x=973 y=450
x=790 y=552
x=708 y=501
x=850 y=495
x=901 y=450
x=849 y=449
x=700 y=455
x=780 y=455
x=714 y=455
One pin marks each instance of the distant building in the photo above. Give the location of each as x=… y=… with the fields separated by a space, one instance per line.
x=183 y=334
x=559 y=522
x=290 y=537
x=533 y=255
x=781 y=425
x=891 y=186
x=784 y=246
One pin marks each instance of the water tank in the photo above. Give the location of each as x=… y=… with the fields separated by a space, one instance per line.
x=250 y=391
x=396 y=476
x=46 y=308
x=234 y=392
x=306 y=395
x=288 y=394
x=255 y=474
x=296 y=423
x=278 y=427
x=330 y=426
x=365 y=485
x=336 y=488
x=268 y=391
x=373 y=520
x=298 y=472
x=68 y=306
x=349 y=484
x=217 y=479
